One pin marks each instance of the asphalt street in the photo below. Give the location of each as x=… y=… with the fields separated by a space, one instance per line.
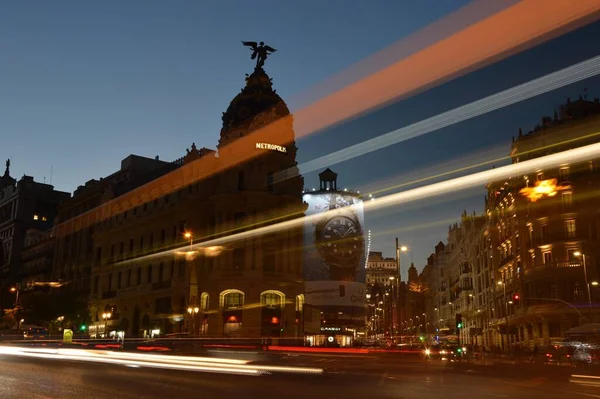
x=345 y=377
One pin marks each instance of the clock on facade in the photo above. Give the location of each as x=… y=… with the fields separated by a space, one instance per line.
x=339 y=240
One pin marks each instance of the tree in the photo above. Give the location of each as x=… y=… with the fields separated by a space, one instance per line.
x=9 y=319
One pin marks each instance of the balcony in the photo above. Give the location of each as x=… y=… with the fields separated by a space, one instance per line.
x=109 y=294
x=134 y=290
x=505 y=261
x=161 y=285
x=553 y=266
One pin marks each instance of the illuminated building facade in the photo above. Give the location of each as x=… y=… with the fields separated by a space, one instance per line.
x=524 y=259
x=540 y=225
x=334 y=261
x=249 y=288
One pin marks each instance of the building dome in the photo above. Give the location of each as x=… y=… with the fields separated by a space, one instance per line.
x=256 y=98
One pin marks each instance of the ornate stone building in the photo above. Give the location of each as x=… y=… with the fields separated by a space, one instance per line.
x=531 y=263
x=24 y=205
x=149 y=274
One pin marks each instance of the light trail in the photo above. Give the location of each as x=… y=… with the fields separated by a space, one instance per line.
x=184 y=363
x=579 y=154
x=533 y=88
x=506 y=32
x=496 y=159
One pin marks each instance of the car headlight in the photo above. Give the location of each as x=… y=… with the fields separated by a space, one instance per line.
x=427 y=352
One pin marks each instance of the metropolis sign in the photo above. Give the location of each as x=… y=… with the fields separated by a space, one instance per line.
x=272 y=147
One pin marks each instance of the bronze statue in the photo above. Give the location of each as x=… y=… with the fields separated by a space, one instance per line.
x=260 y=52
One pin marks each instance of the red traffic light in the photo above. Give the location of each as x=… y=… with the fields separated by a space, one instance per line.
x=516 y=297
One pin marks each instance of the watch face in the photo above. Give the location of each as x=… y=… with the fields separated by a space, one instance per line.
x=340 y=238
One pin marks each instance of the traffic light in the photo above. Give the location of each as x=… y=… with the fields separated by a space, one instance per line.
x=459 y=321
x=82 y=327
x=516 y=298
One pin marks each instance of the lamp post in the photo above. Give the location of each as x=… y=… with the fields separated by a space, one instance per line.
x=587 y=285
x=425 y=316
x=399 y=249
x=15 y=290
x=503 y=284
x=394 y=304
x=106 y=316
x=189 y=236
x=193 y=312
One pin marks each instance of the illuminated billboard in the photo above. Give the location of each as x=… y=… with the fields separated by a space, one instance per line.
x=334 y=253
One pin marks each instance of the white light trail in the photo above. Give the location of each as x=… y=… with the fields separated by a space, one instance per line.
x=579 y=154
x=183 y=363
x=544 y=84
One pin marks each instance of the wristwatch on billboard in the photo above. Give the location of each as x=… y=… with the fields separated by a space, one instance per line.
x=339 y=240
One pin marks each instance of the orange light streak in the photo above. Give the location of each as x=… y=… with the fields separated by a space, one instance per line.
x=509 y=31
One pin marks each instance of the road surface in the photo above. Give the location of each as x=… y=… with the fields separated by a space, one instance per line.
x=344 y=377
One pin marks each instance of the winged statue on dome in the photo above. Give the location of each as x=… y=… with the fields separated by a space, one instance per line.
x=260 y=52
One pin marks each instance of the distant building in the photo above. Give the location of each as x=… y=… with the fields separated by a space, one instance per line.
x=24 y=205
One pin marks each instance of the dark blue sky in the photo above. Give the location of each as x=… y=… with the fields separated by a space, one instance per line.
x=84 y=84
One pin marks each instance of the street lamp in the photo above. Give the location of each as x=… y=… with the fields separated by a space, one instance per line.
x=503 y=284
x=188 y=235
x=106 y=316
x=15 y=290
x=587 y=285
x=193 y=312
x=425 y=315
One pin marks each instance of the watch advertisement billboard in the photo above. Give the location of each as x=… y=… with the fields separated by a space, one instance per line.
x=334 y=252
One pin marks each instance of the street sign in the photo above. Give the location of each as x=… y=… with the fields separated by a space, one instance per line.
x=67 y=336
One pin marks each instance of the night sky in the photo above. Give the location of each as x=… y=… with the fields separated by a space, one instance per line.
x=84 y=84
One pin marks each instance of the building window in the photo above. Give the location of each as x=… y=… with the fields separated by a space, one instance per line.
x=233 y=300
x=563 y=173
x=241 y=181
x=567 y=200
x=149 y=277
x=571 y=255
x=131 y=245
x=161 y=271
x=96 y=283
x=547 y=258
x=540 y=176
x=142 y=242
x=98 y=254
x=122 y=248
x=270 y=182
x=204 y=301
x=238 y=259
x=151 y=239
x=163 y=235
x=112 y=250
x=272 y=299
x=544 y=233
x=139 y=276
x=570 y=228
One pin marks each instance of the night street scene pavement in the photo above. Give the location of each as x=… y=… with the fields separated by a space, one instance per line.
x=312 y=199
x=347 y=375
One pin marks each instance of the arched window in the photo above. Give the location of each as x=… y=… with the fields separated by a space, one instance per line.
x=272 y=299
x=299 y=302
x=204 y=301
x=231 y=299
